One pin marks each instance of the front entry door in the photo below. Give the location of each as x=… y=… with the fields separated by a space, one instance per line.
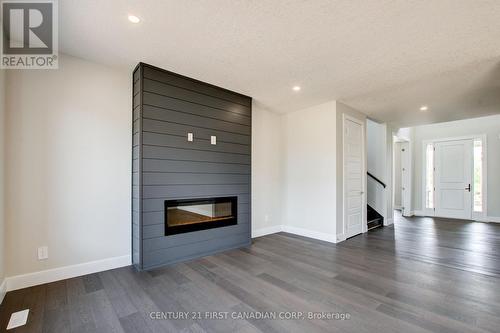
x=454 y=163
x=353 y=178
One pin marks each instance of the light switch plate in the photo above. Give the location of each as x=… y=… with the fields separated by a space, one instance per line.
x=18 y=319
x=213 y=140
x=190 y=137
x=43 y=253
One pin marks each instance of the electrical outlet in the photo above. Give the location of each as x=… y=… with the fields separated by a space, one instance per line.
x=43 y=252
x=18 y=319
x=266 y=218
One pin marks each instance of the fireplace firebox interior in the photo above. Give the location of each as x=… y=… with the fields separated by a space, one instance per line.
x=189 y=215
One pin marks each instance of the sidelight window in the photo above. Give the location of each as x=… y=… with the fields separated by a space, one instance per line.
x=478 y=175
x=429 y=176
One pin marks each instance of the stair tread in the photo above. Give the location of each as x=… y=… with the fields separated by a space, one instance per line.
x=375 y=227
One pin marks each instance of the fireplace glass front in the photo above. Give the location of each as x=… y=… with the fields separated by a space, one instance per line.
x=187 y=215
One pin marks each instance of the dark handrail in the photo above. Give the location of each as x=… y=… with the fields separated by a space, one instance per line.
x=376 y=179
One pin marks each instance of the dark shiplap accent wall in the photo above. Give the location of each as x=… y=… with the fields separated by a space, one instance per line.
x=166 y=166
x=137 y=168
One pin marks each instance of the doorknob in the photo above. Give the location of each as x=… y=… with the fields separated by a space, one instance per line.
x=468 y=188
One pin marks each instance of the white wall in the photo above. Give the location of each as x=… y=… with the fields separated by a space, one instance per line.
x=68 y=165
x=310 y=171
x=376 y=149
x=2 y=178
x=376 y=136
x=389 y=205
x=485 y=125
x=267 y=170
x=404 y=134
x=306 y=147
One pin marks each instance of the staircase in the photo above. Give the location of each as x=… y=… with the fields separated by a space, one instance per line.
x=374 y=219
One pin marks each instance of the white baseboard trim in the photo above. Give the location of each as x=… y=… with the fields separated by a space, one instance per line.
x=341 y=237
x=410 y=214
x=267 y=231
x=388 y=221
x=3 y=290
x=66 y=272
x=298 y=231
x=493 y=219
x=310 y=233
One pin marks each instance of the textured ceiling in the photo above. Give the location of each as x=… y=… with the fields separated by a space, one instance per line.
x=472 y=91
x=383 y=57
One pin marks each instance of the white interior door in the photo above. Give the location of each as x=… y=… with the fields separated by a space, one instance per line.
x=453 y=178
x=405 y=179
x=397 y=176
x=353 y=178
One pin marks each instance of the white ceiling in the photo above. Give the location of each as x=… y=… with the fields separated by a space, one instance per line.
x=384 y=57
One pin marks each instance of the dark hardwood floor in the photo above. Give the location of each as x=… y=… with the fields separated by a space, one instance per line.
x=418 y=275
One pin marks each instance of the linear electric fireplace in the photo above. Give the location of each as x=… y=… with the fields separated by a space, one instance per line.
x=199 y=214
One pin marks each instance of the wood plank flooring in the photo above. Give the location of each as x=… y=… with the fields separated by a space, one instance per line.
x=420 y=275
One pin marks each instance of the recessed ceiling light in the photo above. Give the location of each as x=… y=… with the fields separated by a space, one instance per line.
x=296 y=88
x=134 y=19
x=424 y=108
